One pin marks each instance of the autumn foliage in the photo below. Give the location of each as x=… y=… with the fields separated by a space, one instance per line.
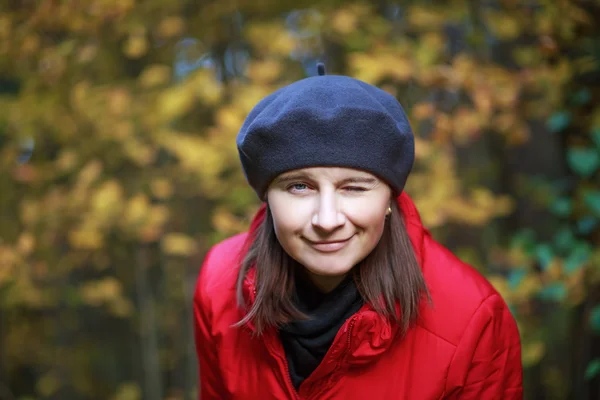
x=118 y=168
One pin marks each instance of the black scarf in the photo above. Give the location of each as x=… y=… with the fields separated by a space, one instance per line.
x=306 y=342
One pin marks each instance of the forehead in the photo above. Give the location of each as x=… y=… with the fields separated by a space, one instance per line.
x=328 y=173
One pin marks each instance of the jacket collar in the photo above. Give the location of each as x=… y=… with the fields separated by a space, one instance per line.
x=365 y=335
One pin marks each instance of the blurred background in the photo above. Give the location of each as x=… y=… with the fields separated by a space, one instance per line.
x=118 y=168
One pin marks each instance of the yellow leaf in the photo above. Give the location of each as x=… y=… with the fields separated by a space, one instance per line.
x=265 y=72
x=229 y=119
x=426 y=17
x=178 y=244
x=121 y=307
x=579 y=15
x=136 y=46
x=171 y=27
x=122 y=130
x=138 y=152
x=433 y=42
x=207 y=87
x=161 y=188
x=226 y=222
x=8 y=259
x=423 y=148
x=400 y=68
x=528 y=286
x=344 y=21
x=26 y=243
x=585 y=64
x=483 y=99
x=30 y=212
x=249 y=96
x=279 y=40
x=174 y=102
x=102 y=291
x=195 y=154
x=137 y=210
x=5 y=26
x=87 y=53
x=86 y=237
x=107 y=201
x=67 y=160
x=501 y=285
x=554 y=270
x=48 y=384
x=505 y=26
x=154 y=224
x=155 y=75
x=365 y=67
x=467 y=124
x=79 y=95
x=423 y=111
x=31 y=44
x=532 y=353
x=90 y=172
x=119 y=101
x=128 y=391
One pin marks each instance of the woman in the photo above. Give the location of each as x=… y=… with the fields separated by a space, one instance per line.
x=338 y=291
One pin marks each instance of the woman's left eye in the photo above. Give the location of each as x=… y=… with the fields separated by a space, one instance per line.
x=355 y=188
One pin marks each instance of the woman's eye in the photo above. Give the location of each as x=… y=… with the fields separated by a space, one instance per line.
x=356 y=188
x=298 y=187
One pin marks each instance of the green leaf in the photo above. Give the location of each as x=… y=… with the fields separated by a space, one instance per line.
x=592 y=369
x=559 y=121
x=592 y=200
x=578 y=257
x=544 y=254
x=582 y=96
x=554 y=292
x=595 y=319
x=561 y=206
x=596 y=137
x=515 y=277
x=587 y=224
x=584 y=162
x=524 y=239
x=564 y=239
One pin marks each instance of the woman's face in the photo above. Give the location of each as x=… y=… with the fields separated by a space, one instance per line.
x=328 y=219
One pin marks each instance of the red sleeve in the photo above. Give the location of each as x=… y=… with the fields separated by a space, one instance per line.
x=210 y=382
x=487 y=363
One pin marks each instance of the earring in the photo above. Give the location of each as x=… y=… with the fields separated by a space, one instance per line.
x=388 y=211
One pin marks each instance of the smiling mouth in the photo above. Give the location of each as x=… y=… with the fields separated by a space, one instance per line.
x=329 y=246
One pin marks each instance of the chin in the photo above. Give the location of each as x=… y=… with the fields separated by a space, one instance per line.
x=329 y=268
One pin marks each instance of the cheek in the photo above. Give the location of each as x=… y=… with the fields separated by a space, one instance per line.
x=287 y=225
x=371 y=219
x=372 y=226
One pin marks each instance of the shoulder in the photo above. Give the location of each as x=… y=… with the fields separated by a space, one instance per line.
x=216 y=283
x=221 y=260
x=462 y=298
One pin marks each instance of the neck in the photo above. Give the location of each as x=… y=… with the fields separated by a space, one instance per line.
x=325 y=283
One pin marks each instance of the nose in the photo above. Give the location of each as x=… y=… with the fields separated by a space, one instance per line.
x=328 y=217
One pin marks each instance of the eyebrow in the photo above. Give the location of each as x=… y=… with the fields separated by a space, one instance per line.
x=304 y=176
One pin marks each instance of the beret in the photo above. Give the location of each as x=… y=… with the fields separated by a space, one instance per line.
x=326 y=121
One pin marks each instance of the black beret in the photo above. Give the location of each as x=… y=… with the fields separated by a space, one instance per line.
x=326 y=121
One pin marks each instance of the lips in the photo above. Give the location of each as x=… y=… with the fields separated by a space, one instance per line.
x=329 y=246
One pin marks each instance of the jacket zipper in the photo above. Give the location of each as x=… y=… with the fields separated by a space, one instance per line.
x=286 y=373
x=348 y=331
x=349 y=337
x=289 y=378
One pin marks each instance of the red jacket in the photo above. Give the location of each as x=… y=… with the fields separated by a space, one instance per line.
x=465 y=344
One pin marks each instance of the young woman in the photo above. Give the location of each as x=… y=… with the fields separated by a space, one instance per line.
x=338 y=291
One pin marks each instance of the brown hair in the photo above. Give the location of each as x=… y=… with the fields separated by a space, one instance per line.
x=389 y=275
